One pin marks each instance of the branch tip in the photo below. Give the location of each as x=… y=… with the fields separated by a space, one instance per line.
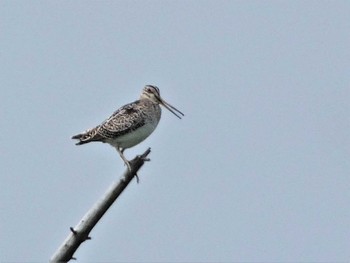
x=147 y=152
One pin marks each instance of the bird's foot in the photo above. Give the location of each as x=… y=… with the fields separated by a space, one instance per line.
x=130 y=170
x=143 y=158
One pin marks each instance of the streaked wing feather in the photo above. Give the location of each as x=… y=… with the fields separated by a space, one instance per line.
x=122 y=121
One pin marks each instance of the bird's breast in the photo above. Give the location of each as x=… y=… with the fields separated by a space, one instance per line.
x=134 y=137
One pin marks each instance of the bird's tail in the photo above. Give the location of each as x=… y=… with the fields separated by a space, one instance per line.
x=79 y=137
x=86 y=137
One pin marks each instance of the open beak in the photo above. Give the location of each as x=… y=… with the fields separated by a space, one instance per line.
x=170 y=108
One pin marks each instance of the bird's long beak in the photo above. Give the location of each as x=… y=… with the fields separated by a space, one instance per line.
x=170 y=108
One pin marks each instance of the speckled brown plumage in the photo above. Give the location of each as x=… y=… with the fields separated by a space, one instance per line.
x=131 y=124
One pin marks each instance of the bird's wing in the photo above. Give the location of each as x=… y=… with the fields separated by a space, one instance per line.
x=122 y=121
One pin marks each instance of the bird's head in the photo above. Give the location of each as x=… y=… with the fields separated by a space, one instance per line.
x=152 y=93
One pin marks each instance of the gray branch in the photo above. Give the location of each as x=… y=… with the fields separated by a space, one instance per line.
x=81 y=231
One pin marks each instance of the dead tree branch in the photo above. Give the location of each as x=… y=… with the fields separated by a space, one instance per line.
x=80 y=232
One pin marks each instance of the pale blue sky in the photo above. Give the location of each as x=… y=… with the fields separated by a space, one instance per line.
x=258 y=170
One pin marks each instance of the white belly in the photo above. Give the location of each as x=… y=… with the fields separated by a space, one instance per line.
x=133 y=138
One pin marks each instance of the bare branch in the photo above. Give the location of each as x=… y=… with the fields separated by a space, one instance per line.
x=81 y=231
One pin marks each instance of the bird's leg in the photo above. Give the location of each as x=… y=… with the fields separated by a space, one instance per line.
x=120 y=151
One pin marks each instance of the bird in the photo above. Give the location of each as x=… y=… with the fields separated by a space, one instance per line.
x=131 y=124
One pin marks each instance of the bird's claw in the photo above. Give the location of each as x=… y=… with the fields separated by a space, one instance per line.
x=137 y=178
x=145 y=159
x=130 y=170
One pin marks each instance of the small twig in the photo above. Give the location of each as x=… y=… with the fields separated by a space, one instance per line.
x=73 y=231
